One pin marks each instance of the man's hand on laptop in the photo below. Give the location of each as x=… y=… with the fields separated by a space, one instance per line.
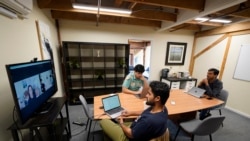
x=125 y=113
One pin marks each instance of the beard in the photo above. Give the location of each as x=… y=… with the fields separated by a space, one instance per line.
x=150 y=103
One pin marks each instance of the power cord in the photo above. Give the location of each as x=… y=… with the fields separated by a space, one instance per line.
x=79 y=123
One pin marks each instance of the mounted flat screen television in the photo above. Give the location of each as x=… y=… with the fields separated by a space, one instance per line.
x=32 y=85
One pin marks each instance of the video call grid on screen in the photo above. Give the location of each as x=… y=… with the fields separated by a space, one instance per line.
x=38 y=82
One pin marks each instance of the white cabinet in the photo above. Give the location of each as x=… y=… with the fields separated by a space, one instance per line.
x=180 y=83
x=175 y=85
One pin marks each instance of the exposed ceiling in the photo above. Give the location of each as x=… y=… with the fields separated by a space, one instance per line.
x=162 y=15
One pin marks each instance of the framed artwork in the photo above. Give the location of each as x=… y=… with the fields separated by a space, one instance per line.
x=175 y=53
x=44 y=40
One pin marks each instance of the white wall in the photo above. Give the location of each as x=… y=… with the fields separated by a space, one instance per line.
x=19 y=43
x=111 y=33
x=238 y=90
x=147 y=55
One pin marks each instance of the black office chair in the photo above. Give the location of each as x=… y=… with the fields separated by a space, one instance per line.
x=86 y=110
x=201 y=127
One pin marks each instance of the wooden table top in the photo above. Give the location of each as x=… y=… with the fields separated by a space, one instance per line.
x=178 y=102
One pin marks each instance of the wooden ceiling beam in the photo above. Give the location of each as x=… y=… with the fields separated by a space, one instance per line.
x=132 y=5
x=205 y=23
x=242 y=10
x=154 y=15
x=225 y=29
x=186 y=27
x=197 y=5
x=242 y=14
x=103 y=18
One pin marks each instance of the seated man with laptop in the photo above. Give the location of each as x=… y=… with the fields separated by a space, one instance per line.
x=212 y=86
x=150 y=123
x=135 y=83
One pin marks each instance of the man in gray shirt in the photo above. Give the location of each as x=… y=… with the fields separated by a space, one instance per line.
x=213 y=87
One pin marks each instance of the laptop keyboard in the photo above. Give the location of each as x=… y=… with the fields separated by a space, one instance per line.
x=196 y=95
x=116 y=110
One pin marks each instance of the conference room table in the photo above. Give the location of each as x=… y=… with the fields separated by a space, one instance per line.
x=181 y=106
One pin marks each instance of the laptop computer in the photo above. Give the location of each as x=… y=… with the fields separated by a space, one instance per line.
x=197 y=92
x=112 y=106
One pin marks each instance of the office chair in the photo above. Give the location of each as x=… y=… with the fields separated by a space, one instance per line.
x=87 y=113
x=223 y=96
x=201 y=127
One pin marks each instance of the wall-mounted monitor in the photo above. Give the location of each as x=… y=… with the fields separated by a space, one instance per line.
x=32 y=84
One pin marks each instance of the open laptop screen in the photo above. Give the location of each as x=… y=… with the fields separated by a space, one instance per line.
x=111 y=102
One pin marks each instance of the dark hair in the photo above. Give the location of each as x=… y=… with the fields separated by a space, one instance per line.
x=160 y=89
x=139 y=68
x=216 y=72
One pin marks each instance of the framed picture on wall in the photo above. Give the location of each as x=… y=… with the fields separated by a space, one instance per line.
x=44 y=40
x=175 y=53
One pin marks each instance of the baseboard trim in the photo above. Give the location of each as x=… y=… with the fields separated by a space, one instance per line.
x=238 y=112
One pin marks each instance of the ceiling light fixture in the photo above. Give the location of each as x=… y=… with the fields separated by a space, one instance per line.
x=203 y=19
x=220 y=21
x=102 y=9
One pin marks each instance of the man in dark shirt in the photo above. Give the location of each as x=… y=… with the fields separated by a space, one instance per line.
x=150 y=123
x=213 y=87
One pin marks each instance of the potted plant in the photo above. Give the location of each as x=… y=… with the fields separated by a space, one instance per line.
x=99 y=74
x=73 y=64
x=122 y=63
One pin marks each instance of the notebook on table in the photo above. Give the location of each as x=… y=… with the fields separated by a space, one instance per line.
x=197 y=92
x=112 y=106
